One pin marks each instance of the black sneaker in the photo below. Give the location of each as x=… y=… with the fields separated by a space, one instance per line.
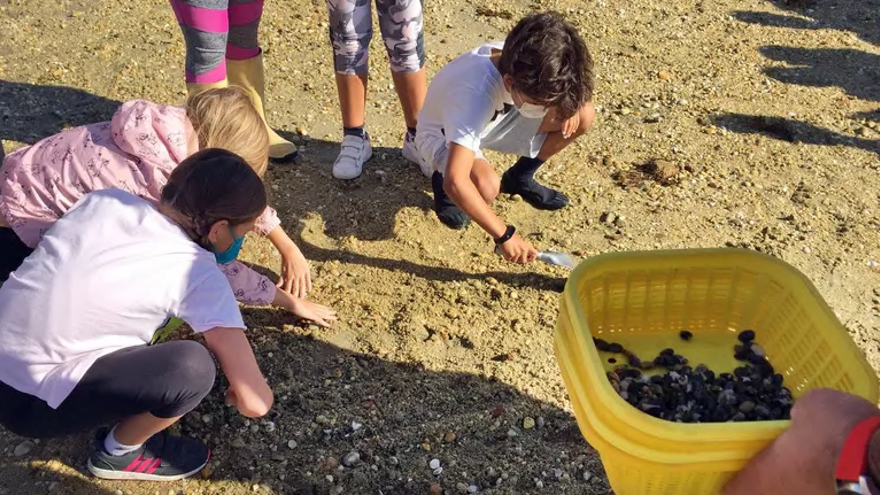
x=164 y=457
x=449 y=214
x=535 y=194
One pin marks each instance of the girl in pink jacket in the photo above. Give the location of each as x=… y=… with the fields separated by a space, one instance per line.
x=136 y=152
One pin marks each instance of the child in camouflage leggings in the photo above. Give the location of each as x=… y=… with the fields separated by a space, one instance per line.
x=351 y=30
x=222 y=48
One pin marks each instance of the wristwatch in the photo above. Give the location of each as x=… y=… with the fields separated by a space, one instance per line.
x=852 y=474
x=507 y=235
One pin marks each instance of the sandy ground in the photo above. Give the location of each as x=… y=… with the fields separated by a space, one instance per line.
x=770 y=110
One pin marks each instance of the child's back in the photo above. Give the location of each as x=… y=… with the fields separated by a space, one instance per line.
x=135 y=152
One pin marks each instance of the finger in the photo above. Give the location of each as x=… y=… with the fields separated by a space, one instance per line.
x=308 y=283
x=321 y=322
x=280 y=283
x=288 y=284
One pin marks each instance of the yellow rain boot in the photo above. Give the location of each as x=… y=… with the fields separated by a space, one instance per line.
x=248 y=74
x=194 y=88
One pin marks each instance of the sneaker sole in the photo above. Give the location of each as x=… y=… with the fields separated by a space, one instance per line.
x=131 y=476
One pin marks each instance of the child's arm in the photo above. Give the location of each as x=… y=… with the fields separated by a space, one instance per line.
x=248 y=389
x=253 y=288
x=296 y=276
x=461 y=189
x=318 y=313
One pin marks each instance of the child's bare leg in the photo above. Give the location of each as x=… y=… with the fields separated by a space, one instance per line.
x=803 y=459
x=411 y=88
x=520 y=178
x=352 y=98
x=556 y=141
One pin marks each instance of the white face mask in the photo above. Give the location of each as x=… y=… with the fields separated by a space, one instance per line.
x=532 y=111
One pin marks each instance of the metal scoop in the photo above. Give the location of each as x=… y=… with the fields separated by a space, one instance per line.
x=564 y=260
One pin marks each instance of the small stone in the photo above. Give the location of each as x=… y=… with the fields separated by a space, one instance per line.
x=686 y=335
x=758 y=351
x=877 y=291
x=588 y=476
x=472 y=489
x=206 y=418
x=329 y=478
x=332 y=463
x=528 y=423
x=291 y=444
x=557 y=473
x=434 y=464
x=394 y=461
x=426 y=447
x=461 y=487
x=322 y=420
x=512 y=433
x=746 y=336
x=270 y=426
x=653 y=118
x=541 y=421
x=351 y=459
x=355 y=426
x=117 y=492
x=539 y=484
x=449 y=437
x=23 y=448
x=436 y=489
x=438 y=471
x=747 y=407
x=625 y=111
x=664 y=75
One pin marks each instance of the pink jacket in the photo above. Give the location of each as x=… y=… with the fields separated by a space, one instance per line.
x=135 y=152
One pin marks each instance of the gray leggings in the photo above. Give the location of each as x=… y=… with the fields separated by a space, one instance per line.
x=351 y=29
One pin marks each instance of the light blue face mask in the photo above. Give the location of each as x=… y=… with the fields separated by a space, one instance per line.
x=228 y=256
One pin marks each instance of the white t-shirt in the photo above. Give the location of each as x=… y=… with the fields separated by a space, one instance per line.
x=462 y=99
x=104 y=278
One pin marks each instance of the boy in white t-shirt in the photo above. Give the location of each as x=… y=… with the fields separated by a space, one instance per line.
x=529 y=96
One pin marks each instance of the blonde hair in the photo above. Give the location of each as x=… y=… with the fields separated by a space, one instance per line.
x=225 y=118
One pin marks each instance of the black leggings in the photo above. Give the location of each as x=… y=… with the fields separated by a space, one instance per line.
x=167 y=380
x=12 y=252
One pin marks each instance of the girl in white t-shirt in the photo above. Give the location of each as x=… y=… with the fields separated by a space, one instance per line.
x=77 y=317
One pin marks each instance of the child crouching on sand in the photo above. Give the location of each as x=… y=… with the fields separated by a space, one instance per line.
x=137 y=152
x=77 y=316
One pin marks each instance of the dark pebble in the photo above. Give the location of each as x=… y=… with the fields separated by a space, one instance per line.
x=601 y=344
x=648 y=365
x=667 y=352
x=615 y=347
x=685 y=335
x=634 y=361
x=746 y=336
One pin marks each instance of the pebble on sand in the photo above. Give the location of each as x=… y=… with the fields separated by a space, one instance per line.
x=23 y=448
x=351 y=459
x=528 y=423
x=434 y=464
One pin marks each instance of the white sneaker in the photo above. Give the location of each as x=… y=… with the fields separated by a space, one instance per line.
x=411 y=153
x=352 y=155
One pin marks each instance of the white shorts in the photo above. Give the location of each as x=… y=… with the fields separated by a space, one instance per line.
x=511 y=133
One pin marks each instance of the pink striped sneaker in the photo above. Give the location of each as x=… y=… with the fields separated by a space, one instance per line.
x=163 y=457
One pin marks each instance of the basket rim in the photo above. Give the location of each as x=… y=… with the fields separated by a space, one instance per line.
x=688 y=432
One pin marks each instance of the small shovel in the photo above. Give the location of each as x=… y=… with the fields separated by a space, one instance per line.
x=564 y=260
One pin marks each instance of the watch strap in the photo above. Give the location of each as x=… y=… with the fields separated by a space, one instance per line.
x=853 y=461
x=507 y=235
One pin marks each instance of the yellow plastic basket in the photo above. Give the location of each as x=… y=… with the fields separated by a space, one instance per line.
x=643 y=300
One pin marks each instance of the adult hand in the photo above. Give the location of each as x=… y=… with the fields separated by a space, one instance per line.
x=518 y=250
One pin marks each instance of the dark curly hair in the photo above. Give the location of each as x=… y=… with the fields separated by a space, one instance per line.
x=549 y=63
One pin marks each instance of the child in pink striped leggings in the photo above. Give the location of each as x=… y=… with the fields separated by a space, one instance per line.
x=222 y=48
